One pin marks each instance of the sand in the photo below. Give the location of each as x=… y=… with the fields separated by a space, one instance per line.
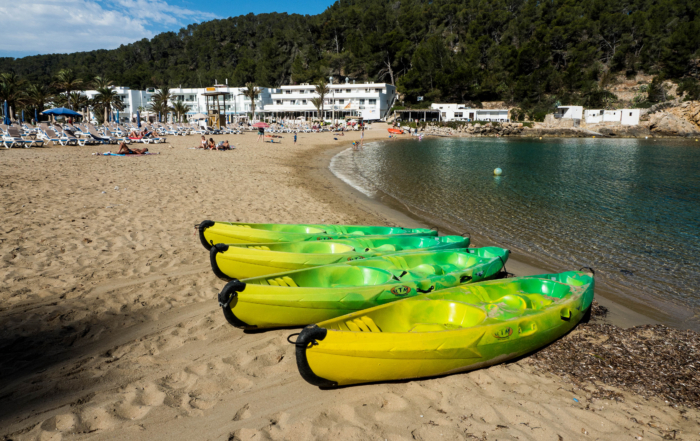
x=111 y=330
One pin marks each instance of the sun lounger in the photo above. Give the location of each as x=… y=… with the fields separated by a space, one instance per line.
x=15 y=137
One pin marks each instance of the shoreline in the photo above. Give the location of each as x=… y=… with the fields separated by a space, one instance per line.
x=623 y=311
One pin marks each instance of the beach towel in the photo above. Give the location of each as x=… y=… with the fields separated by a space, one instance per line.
x=122 y=154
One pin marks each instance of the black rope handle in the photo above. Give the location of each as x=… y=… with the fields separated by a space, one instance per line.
x=588 y=268
x=467 y=234
x=424 y=291
x=434 y=229
x=297 y=343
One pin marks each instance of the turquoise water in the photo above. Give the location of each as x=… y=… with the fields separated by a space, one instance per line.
x=628 y=208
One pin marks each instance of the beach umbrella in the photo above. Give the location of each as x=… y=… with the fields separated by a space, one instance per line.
x=36 y=116
x=158 y=116
x=199 y=116
x=261 y=124
x=117 y=116
x=138 y=119
x=22 y=115
x=60 y=111
x=6 y=119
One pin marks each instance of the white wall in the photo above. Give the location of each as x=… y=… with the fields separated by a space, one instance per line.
x=611 y=116
x=630 y=117
x=594 y=116
x=571 y=112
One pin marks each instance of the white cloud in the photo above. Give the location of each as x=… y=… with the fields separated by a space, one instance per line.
x=64 y=26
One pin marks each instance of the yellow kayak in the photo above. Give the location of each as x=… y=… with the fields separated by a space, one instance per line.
x=444 y=332
x=253 y=260
x=211 y=233
x=311 y=295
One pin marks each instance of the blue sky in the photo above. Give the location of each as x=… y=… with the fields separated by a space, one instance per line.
x=30 y=27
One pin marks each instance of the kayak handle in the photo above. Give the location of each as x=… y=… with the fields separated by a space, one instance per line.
x=297 y=342
x=588 y=268
x=434 y=228
x=425 y=291
x=467 y=234
x=465 y=278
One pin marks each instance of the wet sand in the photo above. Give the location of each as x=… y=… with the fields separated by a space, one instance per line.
x=111 y=330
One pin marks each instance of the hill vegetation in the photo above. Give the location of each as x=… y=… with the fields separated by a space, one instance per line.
x=532 y=53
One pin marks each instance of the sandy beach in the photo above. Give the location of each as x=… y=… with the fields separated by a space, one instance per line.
x=111 y=328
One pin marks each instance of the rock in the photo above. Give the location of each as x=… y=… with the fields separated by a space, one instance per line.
x=668 y=124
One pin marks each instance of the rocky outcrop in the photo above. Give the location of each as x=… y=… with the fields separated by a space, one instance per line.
x=641 y=131
x=670 y=124
x=472 y=129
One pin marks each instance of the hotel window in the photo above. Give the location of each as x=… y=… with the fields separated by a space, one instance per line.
x=347 y=90
x=372 y=102
x=303 y=102
x=362 y=101
x=279 y=102
x=341 y=101
x=378 y=90
x=458 y=114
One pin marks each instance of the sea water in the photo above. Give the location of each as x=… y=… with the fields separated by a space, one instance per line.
x=628 y=208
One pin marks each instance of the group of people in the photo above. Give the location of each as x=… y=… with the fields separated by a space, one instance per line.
x=211 y=145
x=135 y=134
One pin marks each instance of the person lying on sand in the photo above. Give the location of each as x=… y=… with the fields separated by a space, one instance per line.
x=124 y=150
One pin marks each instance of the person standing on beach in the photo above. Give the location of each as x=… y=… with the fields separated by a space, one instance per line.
x=261 y=134
x=295 y=138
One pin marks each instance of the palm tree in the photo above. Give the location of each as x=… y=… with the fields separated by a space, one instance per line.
x=67 y=80
x=106 y=98
x=101 y=83
x=318 y=103
x=251 y=92
x=11 y=90
x=180 y=109
x=160 y=101
x=38 y=95
x=322 y=90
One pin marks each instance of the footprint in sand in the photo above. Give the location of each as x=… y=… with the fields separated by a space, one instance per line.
x=242 y=414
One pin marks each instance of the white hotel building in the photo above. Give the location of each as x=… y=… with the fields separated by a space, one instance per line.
x=138 y=100
x=370 y=101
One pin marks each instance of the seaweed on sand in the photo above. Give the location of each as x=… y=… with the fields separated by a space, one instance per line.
x=652 y=361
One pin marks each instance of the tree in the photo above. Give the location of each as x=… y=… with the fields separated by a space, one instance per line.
x=100 y=82
x=160 y=101
x=68 y=81
x=318 y=104
x=11 y=91
x=105 y=100
x=180 y=109
x=38 y=95
x=251 y=92
x=322 y=90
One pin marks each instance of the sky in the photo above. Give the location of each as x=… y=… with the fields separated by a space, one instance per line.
x=31 y=27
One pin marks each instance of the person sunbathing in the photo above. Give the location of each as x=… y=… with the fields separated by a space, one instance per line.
x=124 y=150
x=203 y=143
x=212 y=144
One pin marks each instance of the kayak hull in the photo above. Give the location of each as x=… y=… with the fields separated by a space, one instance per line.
x=445 y=332
x=212 y=233
x=298 y=298
x=241 y=261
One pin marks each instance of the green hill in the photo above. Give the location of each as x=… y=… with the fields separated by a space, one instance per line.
x=524 y=51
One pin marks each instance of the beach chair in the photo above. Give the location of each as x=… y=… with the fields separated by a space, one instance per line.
x=48 y=134
x=98 y=136
x=15 y=137
x=109 y=135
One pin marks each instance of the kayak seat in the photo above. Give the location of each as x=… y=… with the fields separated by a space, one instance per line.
x=283 y=281
x=359 y=324
x=428 y=327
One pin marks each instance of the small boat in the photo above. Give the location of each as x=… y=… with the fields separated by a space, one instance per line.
x=301 y=297
x=395 y=131
x=453 y=330
x=211 y=233
x=253 y=260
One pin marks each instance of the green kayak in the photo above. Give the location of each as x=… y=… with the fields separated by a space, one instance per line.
x=211 y=233
x=253 y=260
x=312 y=295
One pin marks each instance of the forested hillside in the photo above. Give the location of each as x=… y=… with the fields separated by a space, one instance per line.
x=521 y=51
